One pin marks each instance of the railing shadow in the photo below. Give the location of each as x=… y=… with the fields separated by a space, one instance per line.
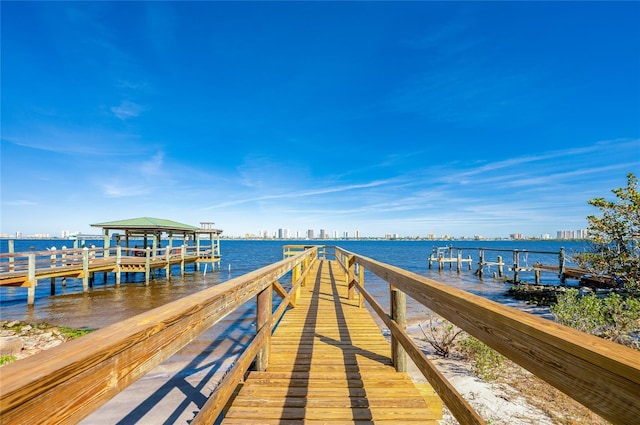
x=193 y=393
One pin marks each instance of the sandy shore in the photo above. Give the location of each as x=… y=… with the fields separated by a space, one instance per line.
x=497 y=403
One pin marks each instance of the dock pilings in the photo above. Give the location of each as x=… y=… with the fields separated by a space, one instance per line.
x=444 y=255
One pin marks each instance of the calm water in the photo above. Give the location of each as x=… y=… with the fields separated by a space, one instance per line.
x=105 y=303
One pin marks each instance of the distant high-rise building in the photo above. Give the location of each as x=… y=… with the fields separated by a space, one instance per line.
x=566 y=234
x=345 y=235
x=357 y=234
x=323 y=234
x=310 y=234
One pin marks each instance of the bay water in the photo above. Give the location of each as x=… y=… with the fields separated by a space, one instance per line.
x=106 y=303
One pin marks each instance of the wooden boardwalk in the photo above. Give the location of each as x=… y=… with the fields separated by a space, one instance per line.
x=329 y=363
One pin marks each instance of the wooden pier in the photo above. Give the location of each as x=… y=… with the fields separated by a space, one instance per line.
x=453 y=255
x=330 y=363
x=25 y=269
x=316 y=356
x=439 y=256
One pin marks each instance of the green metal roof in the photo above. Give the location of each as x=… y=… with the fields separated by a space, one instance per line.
x=147 y=223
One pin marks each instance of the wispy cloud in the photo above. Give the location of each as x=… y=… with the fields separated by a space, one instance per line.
x=300 y=194
x=126 y=110
x=153 y=166
x=19 y=203
x=92 y=141
x=123 y=189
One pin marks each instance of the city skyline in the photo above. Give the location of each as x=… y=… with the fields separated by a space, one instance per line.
x=407 y=118
x=321 y=234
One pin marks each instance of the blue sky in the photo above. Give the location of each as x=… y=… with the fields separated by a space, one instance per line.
x=412 y=118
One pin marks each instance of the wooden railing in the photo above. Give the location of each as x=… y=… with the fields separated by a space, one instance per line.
x=74 y=379
x=600 y=374
x=25 y=268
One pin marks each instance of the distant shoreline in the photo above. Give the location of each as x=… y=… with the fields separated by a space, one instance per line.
x=408 y=239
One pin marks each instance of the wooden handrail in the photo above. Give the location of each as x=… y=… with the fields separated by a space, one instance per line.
x=602 y=375
x=74 y=379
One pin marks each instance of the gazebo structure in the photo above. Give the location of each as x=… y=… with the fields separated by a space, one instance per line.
x=152 y=230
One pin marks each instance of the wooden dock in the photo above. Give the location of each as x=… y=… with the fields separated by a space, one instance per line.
x=25 y=269
x=330 y=363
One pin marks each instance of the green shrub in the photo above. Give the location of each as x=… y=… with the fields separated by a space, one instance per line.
x=612 y=317
x=487 y=363
x=72 y=333
x=6 y=360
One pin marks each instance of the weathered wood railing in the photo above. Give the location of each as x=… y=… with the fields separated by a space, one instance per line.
x=74 y=379
x=602 y=375
x=25 y=268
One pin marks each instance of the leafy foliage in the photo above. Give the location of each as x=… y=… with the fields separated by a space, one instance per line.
x=6 y=360
x=613 y=317
x=615 y=236
x=487 y=363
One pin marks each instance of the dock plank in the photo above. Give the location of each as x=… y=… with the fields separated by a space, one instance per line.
x=330 y=363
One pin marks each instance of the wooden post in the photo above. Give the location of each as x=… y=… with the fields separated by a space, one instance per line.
x=10 y=247
x=167 y=255
x=263 y=318
x=183 y=250
x=480 y=263
x=118 y=264
x=361 y=281
x=53 y=265
x=432 y=257
x=147 y=266
x=459 y=265
x=516 y=265
x=399 y=315
x=197 y=237
x=561 y=266
x=295 y=275
x=500 y=264
x=85 y=269
x=351 y=276
x=31 y=290
x=450 y=257
x=107 y=242
x=537 y=276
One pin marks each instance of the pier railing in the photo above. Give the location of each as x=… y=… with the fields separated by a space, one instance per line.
x=26 y=268
x=74 y=379
x=519 y=264
x=602 y=375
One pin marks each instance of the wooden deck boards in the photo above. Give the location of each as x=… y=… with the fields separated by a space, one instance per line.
x=329 y=363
